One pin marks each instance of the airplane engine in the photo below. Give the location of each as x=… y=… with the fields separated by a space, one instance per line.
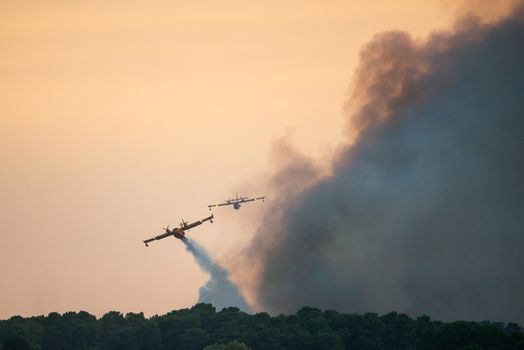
x=236 y=205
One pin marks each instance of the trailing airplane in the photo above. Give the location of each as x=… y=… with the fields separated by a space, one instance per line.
x=236 y=202
x=178 y=232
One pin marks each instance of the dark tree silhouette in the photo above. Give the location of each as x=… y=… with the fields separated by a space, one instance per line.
x=202 y=327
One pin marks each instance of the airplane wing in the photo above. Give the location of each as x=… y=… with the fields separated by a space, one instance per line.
x=247 y=199
x=163 y=235
x=219 y=205
x=196 y=223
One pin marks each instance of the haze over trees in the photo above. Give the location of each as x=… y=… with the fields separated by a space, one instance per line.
x=202 y=327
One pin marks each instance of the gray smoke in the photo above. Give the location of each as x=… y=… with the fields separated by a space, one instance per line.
x=219 y=290
x=424 y=213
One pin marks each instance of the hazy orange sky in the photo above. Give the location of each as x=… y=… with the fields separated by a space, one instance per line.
x=120 y=117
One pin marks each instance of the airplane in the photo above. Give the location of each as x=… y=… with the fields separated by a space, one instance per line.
x=236 y=202
x=178 y=232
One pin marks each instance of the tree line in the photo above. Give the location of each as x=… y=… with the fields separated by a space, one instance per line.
x=202 y=327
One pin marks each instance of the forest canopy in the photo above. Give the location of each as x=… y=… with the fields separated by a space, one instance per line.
x=202 y=327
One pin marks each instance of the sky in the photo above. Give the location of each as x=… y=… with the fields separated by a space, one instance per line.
x=118 y=118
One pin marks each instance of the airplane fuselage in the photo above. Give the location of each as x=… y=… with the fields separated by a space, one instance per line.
x=179 y=234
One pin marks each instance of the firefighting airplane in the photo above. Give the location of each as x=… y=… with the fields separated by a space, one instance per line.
x=178 y=232
x=236 y=202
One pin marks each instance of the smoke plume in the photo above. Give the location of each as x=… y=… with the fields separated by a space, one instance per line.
x=424 y=212
x=219 y=290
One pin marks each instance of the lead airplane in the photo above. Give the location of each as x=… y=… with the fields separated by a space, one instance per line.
x=178 y=232
x=236 y=202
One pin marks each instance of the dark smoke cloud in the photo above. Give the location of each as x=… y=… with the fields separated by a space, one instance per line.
x=424 y=212
x=219 y=290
